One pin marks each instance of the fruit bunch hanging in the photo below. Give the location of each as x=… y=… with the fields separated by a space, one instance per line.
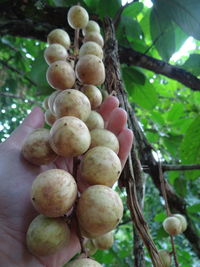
x=78 y=132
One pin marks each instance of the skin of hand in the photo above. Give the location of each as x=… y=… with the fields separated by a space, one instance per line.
x=17 y=175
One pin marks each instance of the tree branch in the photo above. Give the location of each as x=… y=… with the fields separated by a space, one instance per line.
x=167 y=167
x=5 y=94
x=23 y=75
x=132 y=57
x=25 y=19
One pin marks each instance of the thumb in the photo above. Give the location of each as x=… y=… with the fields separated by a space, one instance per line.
x=33 y=121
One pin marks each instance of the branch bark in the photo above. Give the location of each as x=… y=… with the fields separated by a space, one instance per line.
x=5 y=94
x=144 y=149
x=26 y=19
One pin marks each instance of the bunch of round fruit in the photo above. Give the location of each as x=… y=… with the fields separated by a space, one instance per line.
x=77 y=130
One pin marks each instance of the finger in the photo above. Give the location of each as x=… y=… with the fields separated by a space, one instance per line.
x=107 y=107
x=117 y=120
x=125 y=143
x=33 y=121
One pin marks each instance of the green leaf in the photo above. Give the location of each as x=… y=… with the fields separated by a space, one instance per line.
x=108 y=8
x=162 y=33
x=39 y=69
x=194 y=208
x=190 y=147
x=134 y=74
x=192 y=64
x=160 y=217
x=184 y=13
x=181 y=186
x=175 y=112
x=133 y=9
x=172 y=144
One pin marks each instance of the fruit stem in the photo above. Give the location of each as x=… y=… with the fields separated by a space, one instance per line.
x=76 y=42
x=174 y=251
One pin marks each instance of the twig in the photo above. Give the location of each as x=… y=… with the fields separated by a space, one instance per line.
x=5 y=94
x=180 y=167
x=17 y=71
x=174 y=251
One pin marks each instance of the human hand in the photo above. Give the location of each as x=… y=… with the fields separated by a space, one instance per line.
x=17 y=175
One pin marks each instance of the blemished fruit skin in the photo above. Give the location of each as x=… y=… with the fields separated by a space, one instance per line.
x=99 y=210
x=93 y=94
x=104 y=241
x=86 y=262
x=53 y=192
x=94 y=37
x=183 y=221
x=77 y=17
x=49 y=117
x=100 y=165
x=172 y=225
x=36 y=148
x=72 y=102
x=92 y=26
x=94 y=121
x=55 y=52
x=165 y=258
x=69 y=137
x=45 y=236
x=60 y=75
x=91 y=48
x=90 y=70
x=103 y=137
x=59 y=36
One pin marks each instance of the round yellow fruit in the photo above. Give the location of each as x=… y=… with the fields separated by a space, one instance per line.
x=94 y=121
x=59 y=36
x=53 y=192
x=77 y=17
x=45 y=236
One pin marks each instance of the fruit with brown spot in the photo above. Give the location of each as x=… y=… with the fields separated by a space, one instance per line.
x=72 y=102
x=100 y=165
x=59 y=36
x=99 y=210
x=93 y=94
x=60 y=75
x=36 y=148
x=53 y=192
x=69 y=137
x=94 y=121
x=91 y=48
x=45 y=236
x=90 y=70
x=77 y=17
x=55 y=52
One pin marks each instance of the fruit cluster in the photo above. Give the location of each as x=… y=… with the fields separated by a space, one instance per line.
x=77 y=131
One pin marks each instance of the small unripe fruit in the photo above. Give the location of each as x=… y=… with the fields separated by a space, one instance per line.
x=86 y=262
x=94 y=37
x=94 y=121
x=49 y=117
x=54 y=53
x=72 y=102
x=99 y=210
x=91 y=48
x=90 y=70
x=90 y=248
x=183 y=221
x=92 y=26
x=51 y=100
x=100 y=165
x=165 y=258
x=45 y=103
x=172 y=225
x=94 y=95
x=53 y=192
x=46 y=236
x=60 y=75
x=36 y=148
x=104 y=241
x=77 y=17
x=69 y=137
x=103 y=137
x=59 y=36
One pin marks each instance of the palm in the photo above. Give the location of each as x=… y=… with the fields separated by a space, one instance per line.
x=17 y=176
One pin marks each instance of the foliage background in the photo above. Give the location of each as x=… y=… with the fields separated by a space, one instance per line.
x=167 y=110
